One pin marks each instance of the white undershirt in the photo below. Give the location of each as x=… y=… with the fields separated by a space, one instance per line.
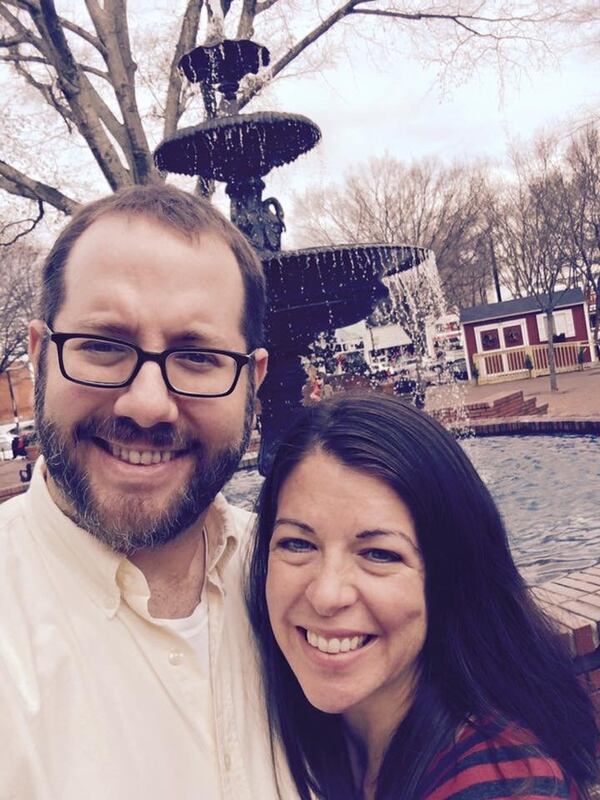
x=194 y=629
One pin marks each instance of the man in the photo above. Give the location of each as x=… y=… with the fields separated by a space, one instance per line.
x=125 y=669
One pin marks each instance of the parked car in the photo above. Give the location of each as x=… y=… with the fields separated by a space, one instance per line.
x=404 y=385
x=458 y=370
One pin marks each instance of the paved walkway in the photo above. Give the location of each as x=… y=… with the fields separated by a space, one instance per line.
x=578 y=395
x=9 y=472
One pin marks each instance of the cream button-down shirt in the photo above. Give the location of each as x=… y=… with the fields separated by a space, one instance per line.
x=98 y=701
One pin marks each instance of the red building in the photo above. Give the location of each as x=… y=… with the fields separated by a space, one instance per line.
x=508 y=340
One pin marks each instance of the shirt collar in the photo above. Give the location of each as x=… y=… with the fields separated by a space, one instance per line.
x=104 y=574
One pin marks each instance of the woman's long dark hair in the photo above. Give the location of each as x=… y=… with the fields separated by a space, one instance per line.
x=489 y=651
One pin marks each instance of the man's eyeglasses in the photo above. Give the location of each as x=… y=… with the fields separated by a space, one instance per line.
x=111 y=364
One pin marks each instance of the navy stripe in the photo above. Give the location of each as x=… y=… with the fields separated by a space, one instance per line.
x=498 y=755
x=538 y=787
x=447 y=763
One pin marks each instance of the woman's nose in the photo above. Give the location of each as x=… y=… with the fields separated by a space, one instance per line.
x=331 y=589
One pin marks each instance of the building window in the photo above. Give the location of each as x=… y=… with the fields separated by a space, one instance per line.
x=563 y=324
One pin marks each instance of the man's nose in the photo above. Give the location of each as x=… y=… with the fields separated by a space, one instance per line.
x=331 y=589
x=147 y=400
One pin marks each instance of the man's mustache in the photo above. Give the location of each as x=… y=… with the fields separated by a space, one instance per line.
x=125 y=431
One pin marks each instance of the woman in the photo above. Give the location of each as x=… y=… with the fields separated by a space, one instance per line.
x=402 y=654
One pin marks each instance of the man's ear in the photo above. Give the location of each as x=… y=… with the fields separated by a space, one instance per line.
x=261 y=360
x=37 y=329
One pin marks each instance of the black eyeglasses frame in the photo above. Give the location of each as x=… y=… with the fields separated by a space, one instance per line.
x=59 y=339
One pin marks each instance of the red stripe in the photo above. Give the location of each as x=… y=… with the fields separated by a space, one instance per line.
x=527 y=767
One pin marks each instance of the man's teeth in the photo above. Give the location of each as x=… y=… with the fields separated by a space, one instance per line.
x=144 y=457
x=335 y=645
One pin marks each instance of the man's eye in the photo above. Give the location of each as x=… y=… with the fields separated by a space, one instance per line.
x=111 y=348
x=377 y=556
x=196 y=359
x=295 y=545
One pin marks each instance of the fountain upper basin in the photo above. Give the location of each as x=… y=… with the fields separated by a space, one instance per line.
x=237 y=148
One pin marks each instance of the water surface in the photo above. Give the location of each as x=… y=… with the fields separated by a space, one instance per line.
x=547 y=489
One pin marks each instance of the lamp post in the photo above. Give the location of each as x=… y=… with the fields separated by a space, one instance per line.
x=13 y=399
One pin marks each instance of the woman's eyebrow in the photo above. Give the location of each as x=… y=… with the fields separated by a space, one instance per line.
x=296 y=523
x=375 y=532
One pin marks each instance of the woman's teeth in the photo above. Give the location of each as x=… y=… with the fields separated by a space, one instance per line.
x=144 y=457
x=335 y=645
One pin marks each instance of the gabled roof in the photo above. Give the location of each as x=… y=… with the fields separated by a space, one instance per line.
x=522 y=305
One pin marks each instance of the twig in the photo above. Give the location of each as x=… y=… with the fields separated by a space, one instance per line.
x=33 y=223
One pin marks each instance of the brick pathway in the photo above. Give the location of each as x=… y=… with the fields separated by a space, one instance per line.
x=9 y=475
x=578 y=395
x=574 y=603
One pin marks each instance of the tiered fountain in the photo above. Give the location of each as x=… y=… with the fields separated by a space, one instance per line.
x=309 y=291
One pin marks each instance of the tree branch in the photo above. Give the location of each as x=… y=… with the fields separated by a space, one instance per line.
x=79 y=94
x=265 y=5
x=33 y=223
x=111 y=26
x=186 y=41
x=16 y=182
x=245 y=28
x=41 y=60
x=47 y=92
x=27 y=36
x=83 y=34
x=295 y=51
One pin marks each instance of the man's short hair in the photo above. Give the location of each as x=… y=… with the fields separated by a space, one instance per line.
x=188 y=214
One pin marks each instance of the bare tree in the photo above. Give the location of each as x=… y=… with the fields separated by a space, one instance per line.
x=578 y=199
x=426 y=204
x=18 y=285
x=87 y=69
x=530 y=236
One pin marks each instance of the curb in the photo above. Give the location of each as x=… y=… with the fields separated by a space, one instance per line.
x=531 y=427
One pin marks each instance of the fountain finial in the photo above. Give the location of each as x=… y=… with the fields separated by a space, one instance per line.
x=224 y=64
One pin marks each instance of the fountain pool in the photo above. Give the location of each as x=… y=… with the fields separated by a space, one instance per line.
x=546 y=488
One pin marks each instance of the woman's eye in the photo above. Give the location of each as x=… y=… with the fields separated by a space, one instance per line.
x=381 y=556
x=295 y=545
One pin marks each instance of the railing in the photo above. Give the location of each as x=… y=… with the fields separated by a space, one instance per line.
x=510 y=363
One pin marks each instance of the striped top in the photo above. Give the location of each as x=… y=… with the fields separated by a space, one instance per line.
x=504 y=763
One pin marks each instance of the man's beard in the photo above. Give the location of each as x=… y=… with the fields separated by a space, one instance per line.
x=123 y=522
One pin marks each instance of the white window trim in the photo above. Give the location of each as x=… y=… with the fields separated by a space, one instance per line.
x=565 y=314
x=479 y=330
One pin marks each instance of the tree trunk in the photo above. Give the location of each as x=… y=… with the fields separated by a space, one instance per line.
x=551 y=359
x=596 y=333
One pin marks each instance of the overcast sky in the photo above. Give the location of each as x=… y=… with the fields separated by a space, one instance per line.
x=366 y=109
x=365 y=112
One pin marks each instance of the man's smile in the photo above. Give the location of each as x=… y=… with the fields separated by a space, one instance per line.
x=140 y=454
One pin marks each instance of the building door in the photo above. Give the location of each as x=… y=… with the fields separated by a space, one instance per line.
x=490 y=340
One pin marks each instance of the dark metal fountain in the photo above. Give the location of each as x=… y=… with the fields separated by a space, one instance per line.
x=309 y=291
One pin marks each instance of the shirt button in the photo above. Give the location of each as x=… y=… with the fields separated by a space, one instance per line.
x=227 y=761
x=175 y=658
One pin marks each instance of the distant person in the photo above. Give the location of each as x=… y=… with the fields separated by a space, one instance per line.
x=403 y=656
x=126 y=669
